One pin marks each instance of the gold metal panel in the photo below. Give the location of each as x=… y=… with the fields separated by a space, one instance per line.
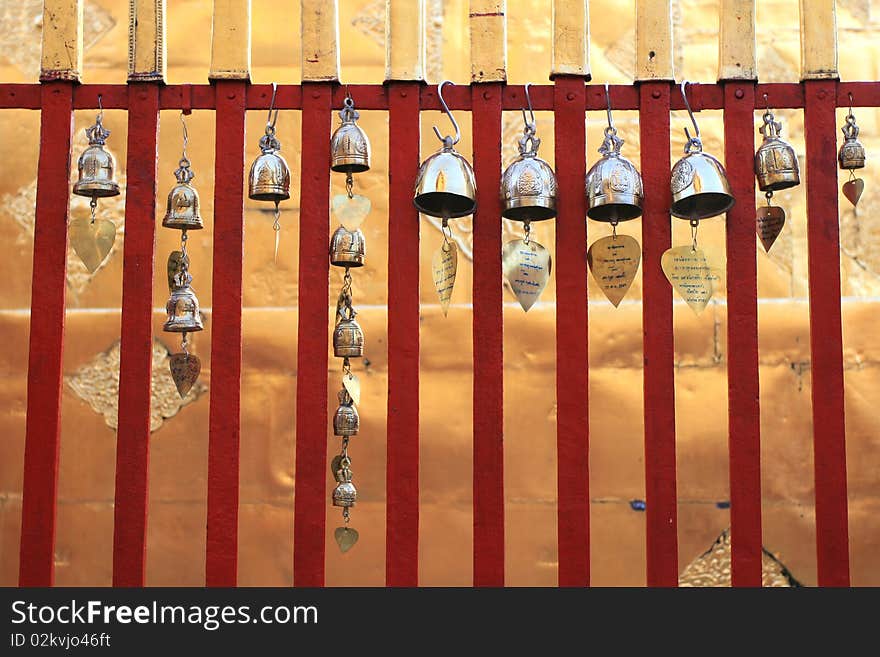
x=404 y=39
x=231 y=40
x=146 y=40
x=320 y=39
x=737 y=58
x=62 y=56
x=818 y=40
x=654 y=40
x=571 y=38
x=488 y=28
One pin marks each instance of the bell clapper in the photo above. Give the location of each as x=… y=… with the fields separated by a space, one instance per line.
x=695 y=224
x=93 y=206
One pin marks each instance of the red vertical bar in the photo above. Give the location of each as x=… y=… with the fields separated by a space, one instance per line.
x=402 y=510
x=826 y=343
x=136 y=351
x=36 y=565
x=572 y=354
x=488 y=331
x=221 y=548
x=659 y=352
x=310 y=500
x=744 y=414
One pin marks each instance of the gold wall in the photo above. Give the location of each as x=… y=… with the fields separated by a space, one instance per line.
x=176 y=543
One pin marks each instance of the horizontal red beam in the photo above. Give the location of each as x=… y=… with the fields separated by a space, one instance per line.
x=374 y=96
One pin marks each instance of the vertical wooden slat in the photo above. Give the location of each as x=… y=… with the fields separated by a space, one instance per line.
x=146 y=41
x=572 y=353
x=310 y=499
x=231 y=40
x=737 y=53
x=43 y=428
x=221 y=547
x=488 y=28
x=404 y=40
x=571 y=38
x=62 y=50
x=818 y=21
x=654 y=40
x=320 y=36
x=826 y=344
x=744 y=415
x=135 y=367
x=402 y=524
x=659 y=353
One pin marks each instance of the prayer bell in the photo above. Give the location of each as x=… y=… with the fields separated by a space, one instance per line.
x=445 y=185
x=183 y=307
x=699 y=187
x=346 y=422
x=528 y=186
x=614 y=185
x=776 y=163
x=851 y=154
x=348 y=338
x=349 y=145
x=347 y=248
x=183 y=202
x=345 y=494
x=96 y=166
x=269 y=179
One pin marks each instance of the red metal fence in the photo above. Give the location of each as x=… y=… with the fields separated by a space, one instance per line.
x=569 y=98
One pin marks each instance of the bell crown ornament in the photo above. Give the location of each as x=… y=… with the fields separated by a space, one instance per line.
x=613 y=184
x=348 y=248
x=699 y=183
x=96 y=165
x=269 y=178
x=776 y=163
x=349 y=145
x=528 y=185
x=852 y=153
x=445 y=185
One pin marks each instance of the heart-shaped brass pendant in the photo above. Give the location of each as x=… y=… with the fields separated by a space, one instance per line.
x=351 y=212
x=92 y=241
x=768 y=224
x=444 y=266
x=345 y=537
x=185 y=370
x=689 y=273
x=526 y=266
x=614 y=261
x=853 y=189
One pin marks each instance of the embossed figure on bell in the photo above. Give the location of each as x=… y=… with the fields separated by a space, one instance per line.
x=347 y=248
x=345 y=494
x=776 y=163
x=349 y=145
x=96 y=166
x=346 y=421
x=182 y=209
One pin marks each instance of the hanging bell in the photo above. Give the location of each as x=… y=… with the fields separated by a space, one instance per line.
x=96 y=165
x=345 y=494
x=614 y=185
x=346 y=421
x=851 y=154
x=776 y=163
x=269 y=179
x=699 y=182
x=183 y=201
x=528 y=185
x=348 y=338
x=183 y=306
x=347 y=248
x=349 y=145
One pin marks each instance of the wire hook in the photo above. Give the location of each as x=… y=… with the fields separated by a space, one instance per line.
x=608 y=110
x=695 y=140
x=849 y=93
x=447 y=141
x=270 y=121
x=185 y=134
x=101 y=108
x=531 y=125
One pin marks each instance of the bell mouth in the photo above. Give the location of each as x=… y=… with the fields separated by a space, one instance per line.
x=530 y=208
x=445 y=204
x=702 y=206
x=183 y=224
x=349 y=165
x=348 y=260
x=779 y=185
x=269 y=195
x=182 y=327
x=96 y=189
x=611 y=212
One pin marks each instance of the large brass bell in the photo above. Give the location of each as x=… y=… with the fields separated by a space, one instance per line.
x=182 y=210
x=348 y=248
x=349 y=145
x=699 y=182
x=183 y=306
x=445 y=185
x=776 y=163
x=96 y=165
x=346 y=421
x=345 y=494
x=613 y=184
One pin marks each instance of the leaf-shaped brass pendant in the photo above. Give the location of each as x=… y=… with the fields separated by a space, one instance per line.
x=768 y=224
x=689 y=273
x=444 y=265
x=614 y=261
x=185 y=370
x=853 y=189
x=92 y=241
x=345 y=537
x=527 y=267
x=351 y=212
x=352 y=385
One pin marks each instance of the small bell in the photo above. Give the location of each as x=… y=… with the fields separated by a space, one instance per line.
x=183 y=306
x=776 y=163
x=345 y=494
x=346 y=421
x=347 y=248
x=96 y=165
x=349 y=145
x=852 y=153
x=348 y=338
x=699 y=182
x=528 y=185
x=269 y=179
x=183 y=201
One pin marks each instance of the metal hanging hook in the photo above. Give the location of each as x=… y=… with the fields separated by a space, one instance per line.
x=101 y=109
x=185 y=135
x=447 y=141
x=531 y=125
x=608 y=110
x=850 y=102
x=270 y=121
x=695 y=140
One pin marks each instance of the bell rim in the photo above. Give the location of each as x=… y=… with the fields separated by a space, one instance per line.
x=268 y=196
x=780 y=185
x=541 y=208
x=175 y=327
x=183 y=224
x=357 y=261
x=101 y=190
x=453 y=214
x=350 y=165
x=730 y=202
x=608 y=212
x=348 y=353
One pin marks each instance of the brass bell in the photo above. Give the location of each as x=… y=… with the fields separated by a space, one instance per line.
x=699 y=182
x=852 y=153
x=346 y=421
x=182 y=210
x=348 y=338
x=445 y=185
x=347 y=248
x=183 y=306
x=349 y=145
x=96 y=165
x=269 y=179
x=776 y=163
x=345 y=494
